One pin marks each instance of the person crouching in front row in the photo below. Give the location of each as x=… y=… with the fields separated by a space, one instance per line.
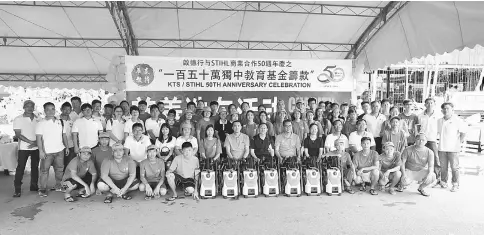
x=118 y=175
x=80 y=175
x=184 y=171
x=152 y=175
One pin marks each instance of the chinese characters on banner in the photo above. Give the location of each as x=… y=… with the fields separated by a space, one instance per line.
x=189 y=74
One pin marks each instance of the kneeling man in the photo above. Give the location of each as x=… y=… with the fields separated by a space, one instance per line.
x=390 y=163
x=346 y=163
x=367 y=166
x=418 y=165
x=184 y=170
x=80 y=175
x=152 y=175
x=118 y=175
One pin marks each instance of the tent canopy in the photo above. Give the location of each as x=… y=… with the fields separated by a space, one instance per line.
x=78 y=40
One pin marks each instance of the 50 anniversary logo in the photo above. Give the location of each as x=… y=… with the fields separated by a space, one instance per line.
x=331 y=74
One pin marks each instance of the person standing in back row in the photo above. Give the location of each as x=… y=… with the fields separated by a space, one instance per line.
x=451 y=131
x=51 y=148
x=411 y=121
x=374 y=121
x=85 y=130
x=24 y=127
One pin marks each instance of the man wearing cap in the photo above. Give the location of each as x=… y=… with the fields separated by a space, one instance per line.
x=118 y=175
x=184 y=171
x=418 y=165
x=203 y=123
x=395 y=135
x=136 y=144
x=349 y=172
x=301 y=106
x=451 y=130
x=85 y=130
x=390 y=164
x=237 y=144
x=367 y=166
x=354 y=139
x=152 y=175
x=190 y=108
x=81 y=174
x=102 y=151
x=51 y=148
x=189 y=115
x=24 y=127
x=222 y=126
x=280 y=108
x=288 y=144
x=186 y=129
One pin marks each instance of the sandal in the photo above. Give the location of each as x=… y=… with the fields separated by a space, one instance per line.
x=108 y=199
x=69 y=199
x=172 y=198
x=350 y=191
x=83 y=195
x=400 y=189
x=363 y=187
x=126 y=197
x=392 y=191
x=423 y=192
x=147 y=198
x=17 y=194
x=373 y=192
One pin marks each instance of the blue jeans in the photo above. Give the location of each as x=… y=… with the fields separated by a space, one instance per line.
x=57 y=161
x=453 y=159
x=432 y=145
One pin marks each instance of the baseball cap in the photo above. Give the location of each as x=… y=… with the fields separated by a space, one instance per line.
x=388 y=144
x=395 y=117
x=117 y=146
x=207 y=109
x=299 y=101
x=339 y=140
x=222 y=109
x=85 y=149
x=151 y=147
x=28 y=102
x=104 y=135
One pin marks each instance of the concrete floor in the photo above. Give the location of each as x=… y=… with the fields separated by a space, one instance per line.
x=405 y=213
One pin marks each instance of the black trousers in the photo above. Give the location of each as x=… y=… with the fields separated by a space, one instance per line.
x=23 y=156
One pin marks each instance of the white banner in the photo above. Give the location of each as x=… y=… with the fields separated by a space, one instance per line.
x=207 y=74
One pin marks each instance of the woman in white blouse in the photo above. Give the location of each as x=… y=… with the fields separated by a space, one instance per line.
x=165 y=143
x=115 y=127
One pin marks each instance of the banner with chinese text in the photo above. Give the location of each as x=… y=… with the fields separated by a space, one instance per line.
x=208 y=74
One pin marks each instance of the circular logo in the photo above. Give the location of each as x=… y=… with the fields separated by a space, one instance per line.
x=142 y=74
x=324 y=77
x=230 y=175
x=251 y=174
x=338 y=75
x=272 y=174
x=207 y=175
x=314 y=173
x=294 y=174
x=335 y=173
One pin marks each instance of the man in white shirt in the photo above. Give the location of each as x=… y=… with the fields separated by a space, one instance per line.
x=24 y=127
x=452 y=132
x=51 y=148
x=374 y=120
x=85 y=130
x=354 y=139
x=135 y=146
x=427 y=123
x=153 y=124
x=76 y=112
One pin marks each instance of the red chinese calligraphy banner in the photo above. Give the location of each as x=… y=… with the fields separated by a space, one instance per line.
x=197 y=74
x=178 y=100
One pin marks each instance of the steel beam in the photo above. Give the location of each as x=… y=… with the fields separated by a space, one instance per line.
x=174 y=44
x=385 y=14
x=268 y=7
x=121 y=19
x=20 y=77
x=78 y=4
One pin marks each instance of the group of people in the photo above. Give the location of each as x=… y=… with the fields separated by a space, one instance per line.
x=125 y=148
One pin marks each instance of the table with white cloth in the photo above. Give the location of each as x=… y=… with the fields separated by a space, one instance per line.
x=8 y=156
